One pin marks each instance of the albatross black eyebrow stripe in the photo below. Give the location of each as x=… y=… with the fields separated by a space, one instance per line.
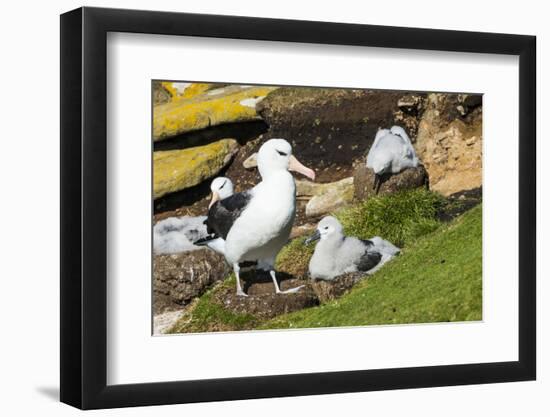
x=282 y=153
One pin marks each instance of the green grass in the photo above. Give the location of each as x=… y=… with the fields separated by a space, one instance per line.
x=207 y=316
x=437 y=279
x=400 y=218
x=294 y=257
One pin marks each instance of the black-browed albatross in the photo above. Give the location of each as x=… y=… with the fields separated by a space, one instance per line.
x=221 y=187
x=256 y=223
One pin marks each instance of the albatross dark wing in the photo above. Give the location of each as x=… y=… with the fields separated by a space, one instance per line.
x=369 y=259
x=223 y=213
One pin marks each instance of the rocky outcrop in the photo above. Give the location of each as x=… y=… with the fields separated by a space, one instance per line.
x=406 y=180
x=328 y=128
x=217 y=106
x=329 y=197
x=180 y=169
x=449 y=142
x=410 y=107
x=178 y=278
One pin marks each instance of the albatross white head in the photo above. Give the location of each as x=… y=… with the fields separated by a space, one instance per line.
x=276 y=155
x=221 y=187
x=328 y=229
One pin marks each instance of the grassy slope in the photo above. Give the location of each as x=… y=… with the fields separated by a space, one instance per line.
x=436 y=279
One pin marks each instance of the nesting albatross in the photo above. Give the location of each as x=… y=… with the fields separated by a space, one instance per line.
x=256 y=223
x=337 y=254
x=390 y=153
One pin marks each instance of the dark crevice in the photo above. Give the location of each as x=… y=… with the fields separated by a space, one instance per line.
x=242 y=132
x=459 y=203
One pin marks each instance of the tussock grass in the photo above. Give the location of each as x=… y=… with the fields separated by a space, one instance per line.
x=294 y=257
x=400 y=218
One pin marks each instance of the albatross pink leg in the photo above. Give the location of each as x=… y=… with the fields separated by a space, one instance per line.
x=278 y=290
x=236 y=269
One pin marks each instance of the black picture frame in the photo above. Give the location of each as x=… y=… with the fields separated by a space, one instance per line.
x=84 y=207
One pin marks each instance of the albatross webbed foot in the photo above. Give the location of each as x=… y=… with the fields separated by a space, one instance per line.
x=278 y=290
x=291 y=290
x=241 y=293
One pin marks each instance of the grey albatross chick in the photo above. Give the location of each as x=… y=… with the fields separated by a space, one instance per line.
x=256 y=223
x=173 y=235
x=390 y=153
x=336 y=254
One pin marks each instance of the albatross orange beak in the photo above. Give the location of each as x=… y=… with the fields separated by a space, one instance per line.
x=296 y=166
x=215 y=197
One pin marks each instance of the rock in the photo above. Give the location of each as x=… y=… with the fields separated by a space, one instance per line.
x=449 y=142
x=328 y=128
x=217 y=106
x=262 y=301
x=410 y=107
x=251 y=161
x=183 y=168
x=470 y=100
x=306 y=188
x=178 y=278
x=161 y=94
x=330 y=290
x=330 y=197
x=164 y=321
x=459 y=203
x=411 y=103
x=406 y=180
x=305 y=229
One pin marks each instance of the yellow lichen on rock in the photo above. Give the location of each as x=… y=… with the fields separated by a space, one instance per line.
x=183 y=168
x=185 y=91
x=216 y=106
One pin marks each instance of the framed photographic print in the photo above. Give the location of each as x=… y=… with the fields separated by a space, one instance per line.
x=257 y=208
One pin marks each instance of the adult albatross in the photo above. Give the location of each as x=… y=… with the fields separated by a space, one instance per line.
x=390 y=153
x=256 y=223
